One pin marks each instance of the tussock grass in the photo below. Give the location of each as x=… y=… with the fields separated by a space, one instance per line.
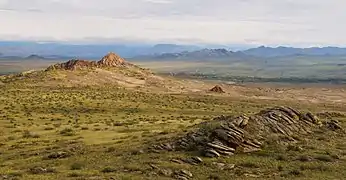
x=106 y=131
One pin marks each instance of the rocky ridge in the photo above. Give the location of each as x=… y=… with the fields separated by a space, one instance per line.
x=227 y=135
x=110 y=60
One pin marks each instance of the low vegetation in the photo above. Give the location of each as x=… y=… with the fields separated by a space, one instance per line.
x=90 y=132
x=107 y=131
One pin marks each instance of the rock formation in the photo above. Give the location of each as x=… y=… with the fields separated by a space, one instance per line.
x=217 y=89
x=73 y=65
x=110 y=60
x=227 y=135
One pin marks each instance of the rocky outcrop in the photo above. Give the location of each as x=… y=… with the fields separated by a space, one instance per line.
x=217 y=89
x=110 y=60
x=74 y=65
x=227 y=135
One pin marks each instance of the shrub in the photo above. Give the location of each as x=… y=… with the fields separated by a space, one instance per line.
x=282 y=157
x=313 y=167
x=111 y=149
x=48 y=128
x=77 y=166
x=296 y=172
x=108 y=170
x=249 y=165
x=67 y=132
x=324 y=158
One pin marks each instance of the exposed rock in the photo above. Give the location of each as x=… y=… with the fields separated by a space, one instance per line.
x=194 y=160
x=41 y=170
x=73 y=64
x=226 y=135
x=223 y=166
x=211 y=153
x=333 y=125
x=153 y=166
x=164 y=146
x=110 y=60
x=59 y=155
x=183 y=174
x=178 y=161
x=197 y=159
x=217 y=89
x=166 y=172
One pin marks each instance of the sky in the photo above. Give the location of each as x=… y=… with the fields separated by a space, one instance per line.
x=255 y=22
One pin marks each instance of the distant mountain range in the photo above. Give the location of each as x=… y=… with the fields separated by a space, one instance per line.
x=290 y=51
x=57 y=50
x=35 y=50
x=34 y=57
x=203 y=54
x=254 y=53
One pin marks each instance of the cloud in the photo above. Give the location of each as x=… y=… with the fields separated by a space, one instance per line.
x=159 y=1
x=293 y=22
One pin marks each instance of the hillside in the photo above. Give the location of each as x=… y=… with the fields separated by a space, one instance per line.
x=111 y=70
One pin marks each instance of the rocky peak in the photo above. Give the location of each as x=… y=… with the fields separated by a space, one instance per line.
x=112 y=60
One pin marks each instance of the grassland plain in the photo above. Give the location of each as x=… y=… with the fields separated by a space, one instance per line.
x=103 y=132
x=101 y=123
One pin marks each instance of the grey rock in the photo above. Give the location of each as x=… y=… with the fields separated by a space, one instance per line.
x=220 y=147
x=166 y=172
x=58 y=155
x=223 y=166
x=211 y=153
x=197 y=159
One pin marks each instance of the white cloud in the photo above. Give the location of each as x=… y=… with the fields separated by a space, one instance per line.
x=159 y=1
x=296 y=22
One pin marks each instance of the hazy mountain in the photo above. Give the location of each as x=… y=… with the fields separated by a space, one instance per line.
x=170 y=48
x=203 y=54
x=24 y=49
x=253 y=53
x=160 y=51
x=34 y=56
x=290 y=51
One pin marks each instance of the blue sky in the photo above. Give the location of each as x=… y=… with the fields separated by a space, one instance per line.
x=257 y=22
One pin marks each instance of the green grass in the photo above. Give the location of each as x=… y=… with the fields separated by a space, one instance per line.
x=105 y=132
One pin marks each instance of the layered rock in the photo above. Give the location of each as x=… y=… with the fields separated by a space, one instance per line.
x=227 y=135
